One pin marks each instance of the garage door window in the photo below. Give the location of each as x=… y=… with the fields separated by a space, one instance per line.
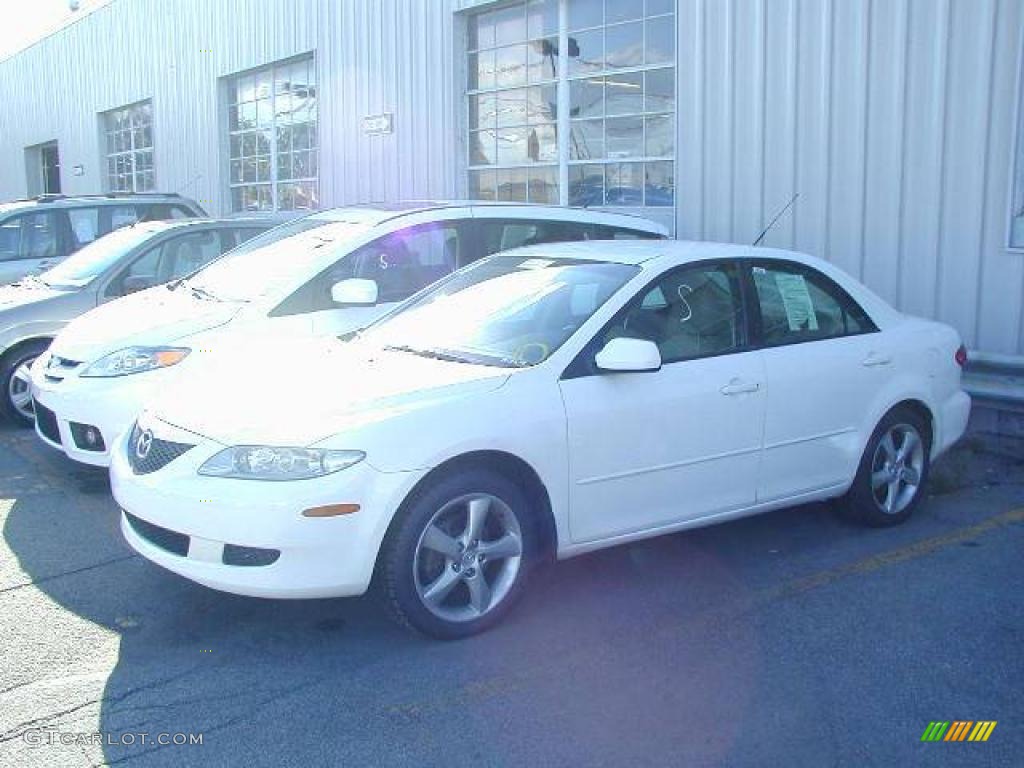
x=599 y=115
x=272 y=124
x=129 y=145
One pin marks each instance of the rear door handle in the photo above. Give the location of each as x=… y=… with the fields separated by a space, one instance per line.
x=876 y=359
x=740 y=387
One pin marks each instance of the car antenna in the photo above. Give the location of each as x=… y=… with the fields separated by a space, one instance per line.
x=778 y=216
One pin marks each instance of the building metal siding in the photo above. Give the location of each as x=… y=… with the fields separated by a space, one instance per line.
x=894 y=119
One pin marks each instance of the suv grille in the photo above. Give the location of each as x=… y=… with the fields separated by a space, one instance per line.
x=47 y=422
x=157 y=455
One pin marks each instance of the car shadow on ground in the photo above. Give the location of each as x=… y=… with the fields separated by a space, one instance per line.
x=309 y=682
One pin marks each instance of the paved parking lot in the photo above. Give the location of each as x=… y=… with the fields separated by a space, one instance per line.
x=789 y=639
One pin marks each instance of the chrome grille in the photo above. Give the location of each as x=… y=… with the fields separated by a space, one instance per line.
x=149 y=454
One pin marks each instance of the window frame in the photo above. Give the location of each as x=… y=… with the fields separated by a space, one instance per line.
x=231 y=83
x=565 y=166
x=132 y=152
x=584 y=363
x=823 y=282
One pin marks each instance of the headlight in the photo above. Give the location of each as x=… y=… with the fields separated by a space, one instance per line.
x=136 y=360
x=262 y=462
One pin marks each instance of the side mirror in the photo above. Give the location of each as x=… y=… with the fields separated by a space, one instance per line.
x=135 y=283
x=354 y=292
x=624 y=355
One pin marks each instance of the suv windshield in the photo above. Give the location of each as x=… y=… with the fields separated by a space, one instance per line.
x=85 y=265
x=285 y=251
x=510 y=311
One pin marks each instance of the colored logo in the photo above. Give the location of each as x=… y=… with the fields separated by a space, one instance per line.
x=958 y=730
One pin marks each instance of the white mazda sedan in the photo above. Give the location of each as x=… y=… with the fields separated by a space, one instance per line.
x=543 y=402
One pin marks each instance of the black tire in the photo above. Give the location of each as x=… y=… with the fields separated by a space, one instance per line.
x=399 y=574
x=8 y=365
x=863 y=502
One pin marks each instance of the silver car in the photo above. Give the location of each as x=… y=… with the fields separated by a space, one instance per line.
x=127 y=260
x=37 y=233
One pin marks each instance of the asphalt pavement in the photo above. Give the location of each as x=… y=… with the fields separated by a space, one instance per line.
x=794 y=638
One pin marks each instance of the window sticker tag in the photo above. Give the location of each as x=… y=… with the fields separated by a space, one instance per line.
x=536 y=264
x=797 y=301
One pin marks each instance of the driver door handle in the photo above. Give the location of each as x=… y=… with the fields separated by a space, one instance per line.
x=740 y=387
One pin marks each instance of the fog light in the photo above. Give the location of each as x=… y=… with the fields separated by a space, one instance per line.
x=87 y=437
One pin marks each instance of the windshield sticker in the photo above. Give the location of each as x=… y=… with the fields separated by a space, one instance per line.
x=797 y=301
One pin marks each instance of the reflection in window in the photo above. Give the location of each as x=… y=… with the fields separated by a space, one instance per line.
x=272 y=125
x=129 y=146
x=512 y=103
x=620 y=67
x=626 y=115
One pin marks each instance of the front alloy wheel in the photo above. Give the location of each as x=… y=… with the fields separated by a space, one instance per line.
x=468 y=557
x=457 y=556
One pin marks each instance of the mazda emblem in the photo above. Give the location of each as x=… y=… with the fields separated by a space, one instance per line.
x=143 y=443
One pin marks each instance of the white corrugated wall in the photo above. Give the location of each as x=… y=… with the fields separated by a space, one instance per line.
x=894 y=120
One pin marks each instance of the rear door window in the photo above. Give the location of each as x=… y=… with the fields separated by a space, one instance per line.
x=800 y=304
x=504 y=234
x=118 y=216
x=85 y=225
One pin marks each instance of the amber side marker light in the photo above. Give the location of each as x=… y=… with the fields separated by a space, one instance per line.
x=331 y=510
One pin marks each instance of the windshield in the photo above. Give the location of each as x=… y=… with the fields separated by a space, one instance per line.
x=88 y=263
x=510 y=311
x=250 y=270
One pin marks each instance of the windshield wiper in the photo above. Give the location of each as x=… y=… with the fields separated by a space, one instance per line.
x=202 y=293
x=433 y=354
x=453 y=356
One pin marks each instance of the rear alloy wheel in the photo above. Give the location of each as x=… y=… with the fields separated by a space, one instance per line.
x=893 y=471
x=459 y=556
x=16 y=404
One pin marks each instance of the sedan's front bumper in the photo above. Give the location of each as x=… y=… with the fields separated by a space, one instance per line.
x=207 y=520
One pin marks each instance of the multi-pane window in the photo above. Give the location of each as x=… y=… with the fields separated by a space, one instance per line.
x=129 y=144
x=512 y=92
x=618 y=113
x=272 y=121
x=622 y=102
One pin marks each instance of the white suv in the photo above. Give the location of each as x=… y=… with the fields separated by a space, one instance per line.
x=326 y=274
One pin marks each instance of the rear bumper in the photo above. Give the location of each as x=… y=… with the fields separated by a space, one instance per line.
x=953 y=416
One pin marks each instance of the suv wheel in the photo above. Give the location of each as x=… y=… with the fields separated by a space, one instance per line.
x=16 y=402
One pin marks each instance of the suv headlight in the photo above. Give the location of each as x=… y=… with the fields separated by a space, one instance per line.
x=135 y=360
x=264 y=462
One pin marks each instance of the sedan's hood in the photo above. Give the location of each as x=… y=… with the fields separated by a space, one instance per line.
x=18 y=296
x=302 y=391
x=153 y=317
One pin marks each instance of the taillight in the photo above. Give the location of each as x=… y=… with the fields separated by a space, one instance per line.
x=961 y=356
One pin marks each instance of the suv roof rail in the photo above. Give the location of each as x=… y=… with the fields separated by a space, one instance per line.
x=54 y=196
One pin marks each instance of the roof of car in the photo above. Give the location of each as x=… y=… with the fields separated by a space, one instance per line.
x=109 y=198
x=378 y=213
x=637 y=252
